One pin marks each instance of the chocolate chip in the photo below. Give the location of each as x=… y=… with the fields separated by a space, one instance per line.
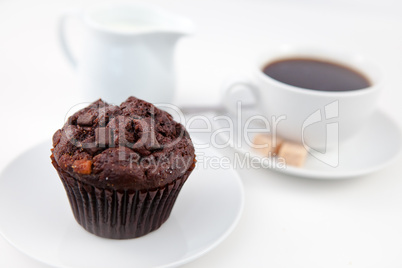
x=86 y=119
x=113 y=110
x=89 y=145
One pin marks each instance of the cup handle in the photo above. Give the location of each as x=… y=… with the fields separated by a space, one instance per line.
x=63 y=37
x=231 y=86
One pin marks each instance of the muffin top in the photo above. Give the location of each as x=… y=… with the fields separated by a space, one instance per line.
x=131 y=146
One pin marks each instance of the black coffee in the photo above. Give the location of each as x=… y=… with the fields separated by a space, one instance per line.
x=316 y=74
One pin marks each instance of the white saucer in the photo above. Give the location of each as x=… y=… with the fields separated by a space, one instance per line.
x=370 y=150
x=36 y=218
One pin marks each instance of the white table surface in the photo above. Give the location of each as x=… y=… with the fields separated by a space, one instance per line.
x=287 y=221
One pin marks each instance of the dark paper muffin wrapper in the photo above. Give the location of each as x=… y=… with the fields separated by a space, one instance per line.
x=120 y=214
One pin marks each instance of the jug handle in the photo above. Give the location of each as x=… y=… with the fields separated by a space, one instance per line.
x=63 y=37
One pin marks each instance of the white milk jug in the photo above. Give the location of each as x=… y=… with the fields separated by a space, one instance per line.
x=128 y=51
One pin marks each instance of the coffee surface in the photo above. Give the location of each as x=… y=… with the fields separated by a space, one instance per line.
x=316 y=74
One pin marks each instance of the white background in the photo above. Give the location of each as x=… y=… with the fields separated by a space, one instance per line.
x=287 y=222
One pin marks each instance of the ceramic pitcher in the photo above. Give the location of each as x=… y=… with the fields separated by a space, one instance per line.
x=128 y=49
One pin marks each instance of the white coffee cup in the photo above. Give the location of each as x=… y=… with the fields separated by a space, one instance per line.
x=128 y=49
x=319 y=120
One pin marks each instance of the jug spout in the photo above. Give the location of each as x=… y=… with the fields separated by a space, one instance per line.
x=177 y=26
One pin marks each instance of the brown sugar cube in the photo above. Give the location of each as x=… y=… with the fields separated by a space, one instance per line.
x=294 y=154
x=266 y=144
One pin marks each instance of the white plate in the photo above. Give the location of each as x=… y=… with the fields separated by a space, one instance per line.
x=370 y=150
x=36 y=218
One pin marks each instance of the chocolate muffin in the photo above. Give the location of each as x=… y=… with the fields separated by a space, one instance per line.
x=122 y=166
